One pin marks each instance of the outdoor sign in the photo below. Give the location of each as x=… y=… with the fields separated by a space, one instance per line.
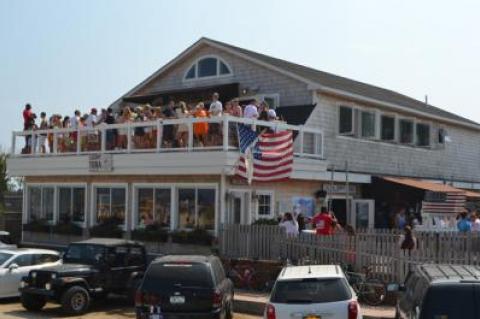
x=100 y=163
x=339 y=189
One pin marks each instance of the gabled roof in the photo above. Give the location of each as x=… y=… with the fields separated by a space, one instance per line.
x=344 y=84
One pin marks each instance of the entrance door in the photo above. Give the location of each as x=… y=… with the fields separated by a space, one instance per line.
x=363 y=213
x=236 y=208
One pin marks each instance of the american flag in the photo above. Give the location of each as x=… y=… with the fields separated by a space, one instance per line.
x=264 y=157
x=454 y=203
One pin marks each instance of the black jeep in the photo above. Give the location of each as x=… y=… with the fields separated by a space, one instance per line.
x=91 y=270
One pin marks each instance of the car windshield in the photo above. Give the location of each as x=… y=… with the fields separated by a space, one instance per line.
x=311 y=290
x=84 y=254
x=4 y=257
x=171 y=274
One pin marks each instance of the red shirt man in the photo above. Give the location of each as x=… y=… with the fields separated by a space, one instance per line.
x=323 y=223
x=27 y=114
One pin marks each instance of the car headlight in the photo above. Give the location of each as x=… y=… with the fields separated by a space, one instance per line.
x=54 y=276
x=23 y=284
x=48 y=286
x=34 y=275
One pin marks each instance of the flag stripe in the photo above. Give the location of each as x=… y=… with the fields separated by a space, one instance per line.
x=453 y=203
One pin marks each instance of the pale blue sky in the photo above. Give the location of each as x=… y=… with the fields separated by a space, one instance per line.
x=61 y=55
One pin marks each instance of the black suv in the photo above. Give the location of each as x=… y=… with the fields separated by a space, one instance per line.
x=440 y=291
x=91 y=269
x=185 y=287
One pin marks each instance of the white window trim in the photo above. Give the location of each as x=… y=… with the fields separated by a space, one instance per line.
x=93 y=206
x=154 y=186
x=217 y=76
x=56 y=195
x=272 y=203
x=274 y=96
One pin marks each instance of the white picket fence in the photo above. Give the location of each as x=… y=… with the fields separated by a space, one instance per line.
x=378 y=249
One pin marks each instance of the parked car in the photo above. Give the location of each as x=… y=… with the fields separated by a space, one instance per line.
x=91 y=269
x=6 y=241
x=312 y=292
x=440 y=291
x=17 y=263
x=185 y=287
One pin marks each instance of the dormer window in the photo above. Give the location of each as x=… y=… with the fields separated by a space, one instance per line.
x=208 y=67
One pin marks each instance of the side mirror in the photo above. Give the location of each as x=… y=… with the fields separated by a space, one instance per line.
x=12 y=267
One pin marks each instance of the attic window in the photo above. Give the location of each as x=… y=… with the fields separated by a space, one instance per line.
x=208 y=67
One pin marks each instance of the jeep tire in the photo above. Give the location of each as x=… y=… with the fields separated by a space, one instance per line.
x=75 y=300
x=33 y=302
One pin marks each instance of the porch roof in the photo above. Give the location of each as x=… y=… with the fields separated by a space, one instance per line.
x=424 y=185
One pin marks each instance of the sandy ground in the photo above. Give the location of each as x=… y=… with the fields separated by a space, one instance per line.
x=110 y=309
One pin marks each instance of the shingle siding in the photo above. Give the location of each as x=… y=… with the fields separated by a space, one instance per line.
x=246 y=73
x=458 y=160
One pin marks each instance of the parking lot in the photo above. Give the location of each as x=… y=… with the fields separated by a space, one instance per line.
x=110 y=309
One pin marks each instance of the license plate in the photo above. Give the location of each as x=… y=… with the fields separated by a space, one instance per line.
x=175 y=300
x=312 y=317
x=155 y=316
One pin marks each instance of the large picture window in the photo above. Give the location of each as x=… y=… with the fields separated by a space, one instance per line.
x=367 y=124
x=196 y=208
x=153 y=206
x=40 y=203
x=71 y=204
x=110 y=204
x=406 y=131
x=387 y=128
x=423 y=135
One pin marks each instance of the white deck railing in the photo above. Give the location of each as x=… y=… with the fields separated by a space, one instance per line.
x=55 y=142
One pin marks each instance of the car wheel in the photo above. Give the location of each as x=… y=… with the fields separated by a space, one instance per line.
x=75 y=301
x=33 y=302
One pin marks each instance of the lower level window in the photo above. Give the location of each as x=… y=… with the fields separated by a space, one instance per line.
x=153 y=206
x=264 y=205
x=40 y=203
x=111 y=205
x=196 y=208
x=71 y=204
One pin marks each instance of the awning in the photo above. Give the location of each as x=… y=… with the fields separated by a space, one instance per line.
x=472 y=195
x=428 y=186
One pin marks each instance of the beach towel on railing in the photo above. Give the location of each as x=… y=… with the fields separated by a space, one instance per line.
x=265 y=157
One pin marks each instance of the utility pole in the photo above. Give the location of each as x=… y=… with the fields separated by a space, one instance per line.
x=347 y=192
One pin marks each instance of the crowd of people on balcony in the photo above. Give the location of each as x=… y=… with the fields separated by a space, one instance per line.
x=142 y=137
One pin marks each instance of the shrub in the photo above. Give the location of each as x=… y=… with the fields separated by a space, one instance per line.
x=150 y=233
x=67 y=229
x=37 y=226
x=109 y=228
x=198 y=236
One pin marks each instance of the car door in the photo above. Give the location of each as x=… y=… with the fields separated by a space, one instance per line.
x=13 y=275
x=46 y=260
x=117 y=263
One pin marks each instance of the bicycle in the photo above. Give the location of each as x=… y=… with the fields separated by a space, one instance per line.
x=369 y=289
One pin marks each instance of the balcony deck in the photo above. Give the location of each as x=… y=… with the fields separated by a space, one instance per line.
x=147 y=150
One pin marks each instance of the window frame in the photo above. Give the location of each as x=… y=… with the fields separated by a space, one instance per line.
x=72 y=187
x=352 y=109
x=411 y=120
x=263 y=192
x=154 y=186
x=196 y=188
x=218 y=75
x=375 y=123
x=93 y=204
x=427 y=124
x=395 y=127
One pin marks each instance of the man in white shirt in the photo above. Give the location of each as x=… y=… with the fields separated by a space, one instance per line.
x=251 y=110
x=92 y=118
x=75 y=120
x=216 y=107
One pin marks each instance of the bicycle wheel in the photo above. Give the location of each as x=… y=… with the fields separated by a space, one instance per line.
x=374 y=292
